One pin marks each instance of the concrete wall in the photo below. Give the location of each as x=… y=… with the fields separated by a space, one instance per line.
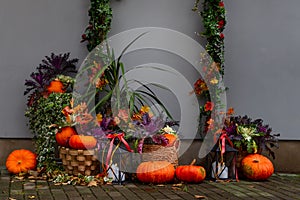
x=261 y=50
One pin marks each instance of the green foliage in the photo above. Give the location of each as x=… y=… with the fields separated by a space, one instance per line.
x=46 y=112
x=100 y=14
x=214 y=21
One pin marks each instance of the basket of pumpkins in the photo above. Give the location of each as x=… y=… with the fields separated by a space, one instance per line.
x=77 y=152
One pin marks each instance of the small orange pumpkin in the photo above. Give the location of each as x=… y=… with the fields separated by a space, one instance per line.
x=82 y=142
x=190 y=173
x=21 y=160
x=63 y=136
x=171 y=138
x=257 y=167
x=56 y=86
x=155 y=172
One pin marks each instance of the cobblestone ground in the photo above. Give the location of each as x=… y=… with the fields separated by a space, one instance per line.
x=281 y=186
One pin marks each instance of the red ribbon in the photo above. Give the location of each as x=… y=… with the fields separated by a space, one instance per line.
x=113 y=136
x=223 y=138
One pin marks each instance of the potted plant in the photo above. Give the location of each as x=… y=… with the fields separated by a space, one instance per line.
x=250 y=136
x=48 y=91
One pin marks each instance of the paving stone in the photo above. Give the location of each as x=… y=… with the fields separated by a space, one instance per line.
x=277 y=187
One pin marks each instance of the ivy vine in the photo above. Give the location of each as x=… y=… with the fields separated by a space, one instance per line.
x=214 y=21
x=100 y=14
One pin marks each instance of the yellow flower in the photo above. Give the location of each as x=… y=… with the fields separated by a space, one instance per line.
x=214 y=81
x=98 y=118
x=145 y=109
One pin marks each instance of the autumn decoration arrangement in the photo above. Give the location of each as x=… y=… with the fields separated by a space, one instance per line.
x=73 y=146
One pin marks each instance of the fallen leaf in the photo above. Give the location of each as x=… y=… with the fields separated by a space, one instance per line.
x=19 y=177
x=10 y=198
x=177 y=185
x=200 y=197
x=31 y=197
x=160 y=185
x=92 y=183
x=176 y=188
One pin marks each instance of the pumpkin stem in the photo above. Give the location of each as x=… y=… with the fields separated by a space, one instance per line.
x=193 y=162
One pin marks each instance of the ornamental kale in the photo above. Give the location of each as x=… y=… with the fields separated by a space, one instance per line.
x=251 y=135
x=49 y=69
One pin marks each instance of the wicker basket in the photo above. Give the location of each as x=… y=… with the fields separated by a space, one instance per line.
x=76 y=161
x=154 y=152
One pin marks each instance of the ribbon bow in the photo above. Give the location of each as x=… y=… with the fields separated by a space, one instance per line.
x=223 y=138
x=113 y=136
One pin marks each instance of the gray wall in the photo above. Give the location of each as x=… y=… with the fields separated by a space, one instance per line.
x=262 y=62
x=30 y=30
x=261 y=50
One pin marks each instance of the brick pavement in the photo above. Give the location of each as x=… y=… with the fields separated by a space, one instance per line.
x=277 y=187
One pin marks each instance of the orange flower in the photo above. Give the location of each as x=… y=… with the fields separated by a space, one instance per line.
x=230 y=111
x=101 y=82
x=210 y=123
x=67 y=113
x=136 y=116
x=209 y=106
x=200 y=86
x=84 y=118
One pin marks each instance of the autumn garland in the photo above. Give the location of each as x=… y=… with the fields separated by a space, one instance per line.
x=214 y=21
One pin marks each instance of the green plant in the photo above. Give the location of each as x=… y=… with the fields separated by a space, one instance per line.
x=100 y=14
x=44 y=107
x=44 y=113
x=250 y=135
x=214 y=21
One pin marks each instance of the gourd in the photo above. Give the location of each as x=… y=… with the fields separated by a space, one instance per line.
x=257 y=167
x=82 y=142
x=20 y=161
x=190 y=173
x=56 y=86
x=63 y=136
x=171 y=138
x=155 y=172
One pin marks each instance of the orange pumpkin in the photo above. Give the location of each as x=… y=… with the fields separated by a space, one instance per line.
x=155 y=172
x=190 y=173
x=63 y=136
x=56 y=86
x=83 y=142
x=171 y=138
x=257 y=167
x=21 y=160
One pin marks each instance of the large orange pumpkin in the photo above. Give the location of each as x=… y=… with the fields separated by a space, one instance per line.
x=56 y=86
x=155 y=172
x=20 y=160
x=63 y=136
x=171 y=138
x=257 y=167
x=190 y=173
x=83 y=142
